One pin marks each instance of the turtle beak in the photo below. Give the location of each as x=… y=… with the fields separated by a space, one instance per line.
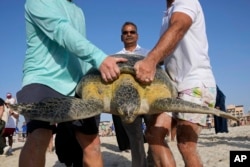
x=128 y=119
x=128 y=115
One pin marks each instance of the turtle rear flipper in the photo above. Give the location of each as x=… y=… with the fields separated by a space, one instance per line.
x=179 y=105
x=56 y=110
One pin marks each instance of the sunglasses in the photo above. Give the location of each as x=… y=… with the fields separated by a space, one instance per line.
x=127 y=32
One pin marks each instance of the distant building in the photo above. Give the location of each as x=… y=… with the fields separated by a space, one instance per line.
x=238 y=112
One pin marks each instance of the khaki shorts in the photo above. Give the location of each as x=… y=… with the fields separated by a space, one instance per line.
x=205 y=96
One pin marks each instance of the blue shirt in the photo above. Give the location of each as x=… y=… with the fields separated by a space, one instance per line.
x=24 y=128
x=58 y=53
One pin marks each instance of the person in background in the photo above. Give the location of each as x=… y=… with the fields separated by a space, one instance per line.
x=17 y=130
x=24 y=131
x=4 y=149
x=209 y=122
x=10 y=99
x=130 y=136
x=112 y=127
x=183 y=46
x=12 y=121
x=58 y=55
x=220 y=124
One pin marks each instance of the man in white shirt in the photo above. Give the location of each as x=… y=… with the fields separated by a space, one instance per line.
x=183 y=46
x=130 y=136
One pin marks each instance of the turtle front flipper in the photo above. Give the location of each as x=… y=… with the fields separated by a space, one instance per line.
x=56 y=110
x=179 y=105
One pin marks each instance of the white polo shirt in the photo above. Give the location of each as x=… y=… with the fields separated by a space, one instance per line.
x=138 y=50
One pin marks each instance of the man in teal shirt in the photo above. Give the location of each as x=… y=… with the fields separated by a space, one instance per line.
x=57 y=56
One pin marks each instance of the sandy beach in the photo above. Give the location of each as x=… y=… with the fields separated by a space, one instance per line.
x=213 y=148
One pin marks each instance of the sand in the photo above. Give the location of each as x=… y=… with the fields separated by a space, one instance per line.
x=213 y=148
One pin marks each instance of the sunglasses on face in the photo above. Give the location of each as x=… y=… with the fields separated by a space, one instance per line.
x=127 y=32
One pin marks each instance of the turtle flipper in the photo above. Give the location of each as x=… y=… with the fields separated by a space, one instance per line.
x=56 y=110
x=179 y=105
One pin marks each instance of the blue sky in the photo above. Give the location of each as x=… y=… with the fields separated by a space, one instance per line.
x=228 y=34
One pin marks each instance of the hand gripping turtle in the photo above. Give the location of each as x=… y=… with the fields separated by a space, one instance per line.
x=124 y=97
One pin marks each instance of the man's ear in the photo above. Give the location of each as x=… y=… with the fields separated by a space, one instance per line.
x=121 y=38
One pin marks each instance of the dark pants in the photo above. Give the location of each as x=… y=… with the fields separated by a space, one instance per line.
x=68 y=149
x=133 y=139
x=121 y=135
x=220 y=125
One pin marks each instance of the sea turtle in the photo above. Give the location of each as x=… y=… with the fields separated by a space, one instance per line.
x=124 y=97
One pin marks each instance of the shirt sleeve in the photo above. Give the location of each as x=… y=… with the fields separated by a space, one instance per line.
x=188 y=7
x=52 y=20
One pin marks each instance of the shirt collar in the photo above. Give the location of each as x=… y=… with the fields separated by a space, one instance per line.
x=136 y=49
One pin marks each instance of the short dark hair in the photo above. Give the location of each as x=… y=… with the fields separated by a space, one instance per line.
x=1 y=102
x=129 y=23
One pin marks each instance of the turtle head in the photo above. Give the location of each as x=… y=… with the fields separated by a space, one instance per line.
x=126 y=101
x=127 y=113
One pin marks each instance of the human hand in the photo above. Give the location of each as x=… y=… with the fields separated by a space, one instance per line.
x=109 y=68
x=145 y=70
